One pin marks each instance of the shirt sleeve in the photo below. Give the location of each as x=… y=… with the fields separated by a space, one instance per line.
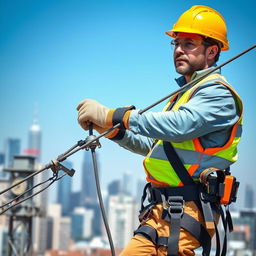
x=212 y=108
x=135 y=143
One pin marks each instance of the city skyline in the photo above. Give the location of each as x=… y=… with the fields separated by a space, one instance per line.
x=57 y=54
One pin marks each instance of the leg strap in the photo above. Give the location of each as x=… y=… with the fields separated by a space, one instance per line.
x=198 y=231
x=148 y=232
x=188 y=223
x=151 y=234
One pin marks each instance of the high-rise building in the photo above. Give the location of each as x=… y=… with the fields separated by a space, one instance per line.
x=34 y=139
x=75 y=200
x=64 y=191
x=59 y=229
x=127 y=183
x=140 y=187
x=122 y=218
x=13 y=147
x=82 y=223
x=114 y=188
x=2 y=159
x=88 y=193
x=245 y=228
x=249 y=197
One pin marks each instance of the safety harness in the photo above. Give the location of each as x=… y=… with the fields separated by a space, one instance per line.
x=209 y=195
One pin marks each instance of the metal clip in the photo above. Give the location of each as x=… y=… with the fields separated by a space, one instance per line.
x=92 y=142
x=145 y=214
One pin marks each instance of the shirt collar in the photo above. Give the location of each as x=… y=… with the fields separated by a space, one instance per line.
x=182 y=81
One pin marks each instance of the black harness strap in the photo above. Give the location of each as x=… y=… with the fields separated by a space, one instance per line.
x=189 y=193
x=147 y=232
x=175 y=211
x=176 y=164
x=175 y=217
x=198 y=231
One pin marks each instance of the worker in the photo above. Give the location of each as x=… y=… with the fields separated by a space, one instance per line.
x=198 y=130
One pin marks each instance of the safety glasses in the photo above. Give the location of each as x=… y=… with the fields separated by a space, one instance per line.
x=186 y=44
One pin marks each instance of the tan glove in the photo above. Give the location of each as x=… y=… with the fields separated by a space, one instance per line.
x=108 y=135
x=92 y=111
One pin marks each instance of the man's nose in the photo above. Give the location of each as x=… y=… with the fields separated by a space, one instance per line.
x=178 y=49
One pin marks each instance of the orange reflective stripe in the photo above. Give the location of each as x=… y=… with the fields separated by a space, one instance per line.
x=157 y=182
x=211 y=151
x=197 y=145
x=192 y=169
x=170 y=101
x=173 y=97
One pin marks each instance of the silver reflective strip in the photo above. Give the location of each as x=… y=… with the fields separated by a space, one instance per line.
x=239 y=131
x=191 y=157
x=186 y=156
x=215 y=161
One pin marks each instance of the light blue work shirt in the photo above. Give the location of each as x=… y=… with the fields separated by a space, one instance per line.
x=208 y=115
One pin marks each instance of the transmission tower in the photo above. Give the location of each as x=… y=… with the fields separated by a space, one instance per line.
x=21 y=216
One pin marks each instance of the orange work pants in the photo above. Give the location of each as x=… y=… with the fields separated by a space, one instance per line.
x=141 y=246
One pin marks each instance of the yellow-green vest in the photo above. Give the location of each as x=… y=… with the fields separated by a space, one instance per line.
x=192 y=154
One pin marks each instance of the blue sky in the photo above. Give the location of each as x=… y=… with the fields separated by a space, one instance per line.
x=56 y=53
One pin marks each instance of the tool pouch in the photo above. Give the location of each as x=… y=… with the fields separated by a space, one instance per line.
x=220 y=188
x=230 y=190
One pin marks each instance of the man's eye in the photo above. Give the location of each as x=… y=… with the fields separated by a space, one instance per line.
x=189 y=45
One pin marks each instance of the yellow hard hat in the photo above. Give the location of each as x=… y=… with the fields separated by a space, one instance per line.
x=202 y=20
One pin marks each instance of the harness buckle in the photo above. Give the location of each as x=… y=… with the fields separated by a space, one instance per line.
x=145 y=214
x=174 y=205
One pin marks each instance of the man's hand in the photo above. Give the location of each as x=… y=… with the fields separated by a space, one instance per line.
x=92 y=111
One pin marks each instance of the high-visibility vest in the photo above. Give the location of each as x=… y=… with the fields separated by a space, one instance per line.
x=192 y=154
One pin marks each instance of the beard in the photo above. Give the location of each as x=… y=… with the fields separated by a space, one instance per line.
x=187 y=66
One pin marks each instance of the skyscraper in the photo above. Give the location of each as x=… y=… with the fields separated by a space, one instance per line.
x=39 y=223
x=114 y=188
x=64 y=192
x=12 y=148
x=82 y=220
x=122 y=218
x=34 y=139
x=2 y=173
x=88 y=195
x=127 y=183
x=249 y=197
x=59 y=229
x=88 y=188
x=140 y=187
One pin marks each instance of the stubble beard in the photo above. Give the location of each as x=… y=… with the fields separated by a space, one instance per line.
x=188 y=69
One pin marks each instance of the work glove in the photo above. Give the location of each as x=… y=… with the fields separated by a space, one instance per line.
x=109 y=135
x=90 y=111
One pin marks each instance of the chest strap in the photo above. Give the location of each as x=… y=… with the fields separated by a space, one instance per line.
x=176 y=164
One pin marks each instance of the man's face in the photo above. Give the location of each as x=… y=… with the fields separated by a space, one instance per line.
x=189 y=54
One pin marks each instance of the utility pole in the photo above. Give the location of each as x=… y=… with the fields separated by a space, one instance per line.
x=20 y=217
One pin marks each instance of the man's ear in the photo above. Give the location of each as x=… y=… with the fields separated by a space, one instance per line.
x=212 y=51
